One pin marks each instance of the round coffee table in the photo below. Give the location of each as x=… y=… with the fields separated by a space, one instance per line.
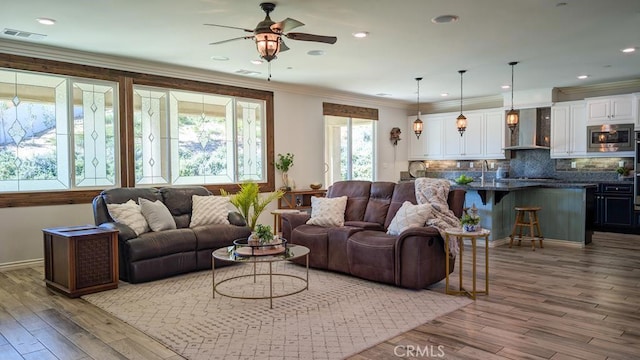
x=230 y=254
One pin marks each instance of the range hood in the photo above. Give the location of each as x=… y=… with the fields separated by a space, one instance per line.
x=533 y=131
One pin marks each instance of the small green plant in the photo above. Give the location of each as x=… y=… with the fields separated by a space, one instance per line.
x=623 y=171
x=467 y=219
x=249 y=202
x=285 y=162
x=264 y=233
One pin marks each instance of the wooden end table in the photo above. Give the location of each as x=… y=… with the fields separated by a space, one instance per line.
x=459 y=235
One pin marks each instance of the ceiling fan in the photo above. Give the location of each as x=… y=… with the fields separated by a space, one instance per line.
x=268 y=34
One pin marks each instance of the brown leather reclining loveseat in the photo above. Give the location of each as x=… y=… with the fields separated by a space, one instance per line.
x=155 y=255
x=414 y=259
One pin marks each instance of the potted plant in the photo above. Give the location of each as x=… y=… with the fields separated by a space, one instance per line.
x=623 y=172
x=249 y=202
x=264 y=234
x=284 y=163
x=470 y=223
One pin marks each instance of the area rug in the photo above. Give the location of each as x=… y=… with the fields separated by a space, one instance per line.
x=337 y=316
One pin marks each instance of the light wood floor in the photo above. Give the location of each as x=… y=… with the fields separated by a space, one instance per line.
x=555 y=303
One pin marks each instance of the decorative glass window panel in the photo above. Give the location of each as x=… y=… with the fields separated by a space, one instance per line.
x=56 y=133
x=251 y=140
x=151 y=129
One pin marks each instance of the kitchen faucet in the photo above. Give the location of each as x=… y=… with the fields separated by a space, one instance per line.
x=485 y=167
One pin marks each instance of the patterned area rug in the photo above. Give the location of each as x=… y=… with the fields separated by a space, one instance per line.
x=337 y=316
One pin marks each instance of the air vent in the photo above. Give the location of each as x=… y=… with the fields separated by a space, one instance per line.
x=23 y=34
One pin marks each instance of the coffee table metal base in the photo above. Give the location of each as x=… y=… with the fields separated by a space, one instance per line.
x=270 y=274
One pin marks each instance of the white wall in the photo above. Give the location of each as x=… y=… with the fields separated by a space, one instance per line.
x=298 y=129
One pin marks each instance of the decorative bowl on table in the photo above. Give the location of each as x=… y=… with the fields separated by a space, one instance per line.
x=315 y=186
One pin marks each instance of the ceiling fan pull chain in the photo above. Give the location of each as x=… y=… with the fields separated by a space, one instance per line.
x=269 y=78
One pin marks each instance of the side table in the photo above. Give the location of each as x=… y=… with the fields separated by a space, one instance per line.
x=277 y=221
x=80 y=260
x=459 y=235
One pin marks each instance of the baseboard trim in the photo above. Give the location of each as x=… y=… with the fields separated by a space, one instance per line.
x=21 y=264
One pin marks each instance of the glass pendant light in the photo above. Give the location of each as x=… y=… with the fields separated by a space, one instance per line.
x=461 y=121
x=512 y=115
x=418 y=124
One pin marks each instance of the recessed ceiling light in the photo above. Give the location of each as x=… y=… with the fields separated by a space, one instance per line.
x=444 y=94
x=46 y=21
x=560 y=4
x=582 y=77
x=506 y=86
x=443 y=19
x=629 y=50
x=247 y=72
x=256 y=62
x=383 y=94
x=360 y=34
x=315 y=52
x=219 y=58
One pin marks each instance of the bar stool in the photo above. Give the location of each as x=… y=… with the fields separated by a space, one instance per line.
x=520 y=224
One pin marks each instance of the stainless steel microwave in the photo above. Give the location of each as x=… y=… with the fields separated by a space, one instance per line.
x=610 y=138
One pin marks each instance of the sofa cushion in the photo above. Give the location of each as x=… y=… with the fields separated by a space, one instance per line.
x=364 y=225
x=217 y=235
x=315 y=238
x=408 y=216
x=129 y=214
x=208 y=210
x=372 y=255
x=157 y=215
x=157 y=244
x=327 y=211
x=403 y=191
x=357 y=192
x=379 y=200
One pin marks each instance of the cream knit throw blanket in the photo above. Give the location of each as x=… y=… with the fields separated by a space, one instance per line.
x=435 y=193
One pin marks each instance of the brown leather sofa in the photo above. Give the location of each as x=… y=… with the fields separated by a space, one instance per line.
x=157 y=255
x=414 y=259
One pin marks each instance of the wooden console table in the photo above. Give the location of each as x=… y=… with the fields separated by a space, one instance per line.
x=299 y=199
x=80 y=260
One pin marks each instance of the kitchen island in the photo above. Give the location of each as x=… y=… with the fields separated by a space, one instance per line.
x=567 y=214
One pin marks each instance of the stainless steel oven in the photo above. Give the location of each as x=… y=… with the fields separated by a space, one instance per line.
x=636 y=177
x=610 y=138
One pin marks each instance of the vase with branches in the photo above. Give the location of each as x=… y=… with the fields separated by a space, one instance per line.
x=283 y=164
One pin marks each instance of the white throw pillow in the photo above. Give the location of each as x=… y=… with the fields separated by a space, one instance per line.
x=129 y=214
x=157 y=215
x=327 y=211
x=409 y=215
x=209 y=210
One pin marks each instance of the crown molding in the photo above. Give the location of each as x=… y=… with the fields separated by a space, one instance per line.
x=484 y=102
x=47 y=52
x=570 y=93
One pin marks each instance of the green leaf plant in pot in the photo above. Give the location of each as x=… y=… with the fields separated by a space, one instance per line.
x=283 y=164
x=249 y=202
x=623 y=172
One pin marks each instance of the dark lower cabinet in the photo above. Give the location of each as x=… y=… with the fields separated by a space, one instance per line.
x=614 y=207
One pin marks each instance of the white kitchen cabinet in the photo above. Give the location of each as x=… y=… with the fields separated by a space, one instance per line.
x=569 y=130
x=611 y=110
x=637 y=103
x=494 y=134
x=429 y=146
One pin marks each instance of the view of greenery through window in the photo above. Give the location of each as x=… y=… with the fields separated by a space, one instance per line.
x=349 y=148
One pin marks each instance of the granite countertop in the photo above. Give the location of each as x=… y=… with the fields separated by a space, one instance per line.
x=515 y=184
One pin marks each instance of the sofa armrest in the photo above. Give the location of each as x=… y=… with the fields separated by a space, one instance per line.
x=291 y=221
x=124 y=232
x=420 y=258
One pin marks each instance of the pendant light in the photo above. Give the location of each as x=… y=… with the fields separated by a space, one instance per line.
x=512 y=115
x=461 y=121
x=417 y=125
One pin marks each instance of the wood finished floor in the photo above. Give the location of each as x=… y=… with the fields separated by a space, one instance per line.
x=555 y=303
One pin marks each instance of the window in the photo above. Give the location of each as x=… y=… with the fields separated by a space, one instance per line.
x=69 y=131
x=183 y=137
x=56 y=132
x=349 y=142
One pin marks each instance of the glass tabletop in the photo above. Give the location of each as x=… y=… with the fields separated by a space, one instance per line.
x=291 y=252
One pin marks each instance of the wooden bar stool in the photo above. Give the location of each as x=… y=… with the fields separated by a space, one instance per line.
x=532 y=223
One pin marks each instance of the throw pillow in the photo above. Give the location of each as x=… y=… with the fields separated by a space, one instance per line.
x=409 y=215
x=157 y=215
x=207 y=210
x=327 y=211
x=130 y=215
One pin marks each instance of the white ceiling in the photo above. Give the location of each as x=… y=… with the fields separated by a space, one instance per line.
x=553 y=43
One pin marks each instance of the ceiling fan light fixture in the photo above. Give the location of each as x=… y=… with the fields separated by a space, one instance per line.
x=268 y=45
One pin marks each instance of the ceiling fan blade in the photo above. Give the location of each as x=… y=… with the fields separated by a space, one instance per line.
x=228 y=40
x=286 y=25
x=311 y=37
x=230 y=27
x=283 y=46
